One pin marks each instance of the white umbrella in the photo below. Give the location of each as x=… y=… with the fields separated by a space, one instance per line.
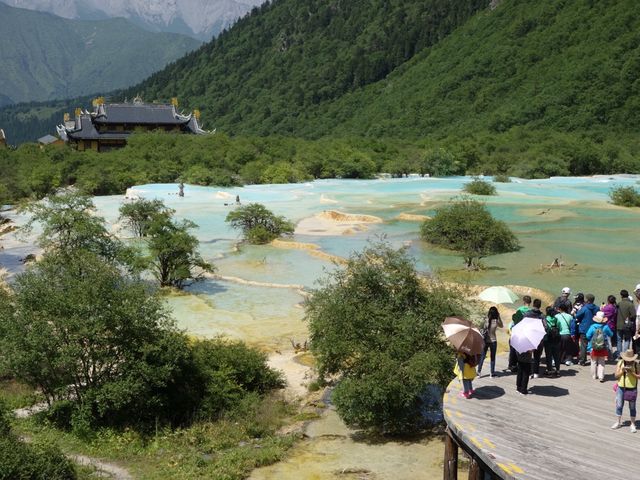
x=527 y=334
x=498 y=295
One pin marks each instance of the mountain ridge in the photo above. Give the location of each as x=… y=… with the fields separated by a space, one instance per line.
x=47 y=57
x=200 y=19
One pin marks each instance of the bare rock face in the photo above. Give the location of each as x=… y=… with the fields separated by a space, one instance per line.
x=494 y=4
x=198 y=18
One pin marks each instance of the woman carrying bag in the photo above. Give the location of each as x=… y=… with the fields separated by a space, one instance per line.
x=627 y=387
x=491 y=323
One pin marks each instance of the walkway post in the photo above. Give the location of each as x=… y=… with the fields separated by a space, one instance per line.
x=475 y=472
x=450 y=457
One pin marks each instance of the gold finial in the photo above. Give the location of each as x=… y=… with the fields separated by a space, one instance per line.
x=196 y=113
x=66 y=117
x=174 y=101
x=78 y=111
x=98 y=101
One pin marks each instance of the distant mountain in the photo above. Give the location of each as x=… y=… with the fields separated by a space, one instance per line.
x=201 y=19
x=47 y=57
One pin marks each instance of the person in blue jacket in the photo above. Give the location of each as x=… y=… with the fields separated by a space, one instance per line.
x=584 y=317
x=598 y=343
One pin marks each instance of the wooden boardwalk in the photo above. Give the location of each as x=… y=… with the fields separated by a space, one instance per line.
x=561 y=430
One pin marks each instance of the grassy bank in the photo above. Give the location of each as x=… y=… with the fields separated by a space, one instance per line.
x=227 y=449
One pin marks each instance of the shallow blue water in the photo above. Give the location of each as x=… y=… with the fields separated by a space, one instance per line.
x=562 y=217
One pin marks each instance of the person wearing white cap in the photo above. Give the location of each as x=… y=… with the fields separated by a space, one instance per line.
x=563 y=299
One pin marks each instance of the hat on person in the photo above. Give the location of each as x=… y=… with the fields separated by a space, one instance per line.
x=579 y=295
x=566 y=290
x=637 y=287
x=599 y=317
x=629 y=356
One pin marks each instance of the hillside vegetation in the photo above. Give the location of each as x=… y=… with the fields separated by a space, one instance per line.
x=528 y=88
x=47 y=57
x=282 y=60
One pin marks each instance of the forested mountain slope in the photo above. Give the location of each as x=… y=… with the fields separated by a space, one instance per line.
x=566 y=65
x=46 y=57
x=293 y=55
x=381 y=67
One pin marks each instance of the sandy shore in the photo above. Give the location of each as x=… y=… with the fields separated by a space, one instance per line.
x=297 y=374
x=333 y=223
x=310 y=248
x=412 y=217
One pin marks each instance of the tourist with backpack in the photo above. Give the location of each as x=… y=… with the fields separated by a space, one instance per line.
x=567 y=345
x=552 y=343
x=626 y=387
x=597 y=336
x=584 y=317
x=491 y=324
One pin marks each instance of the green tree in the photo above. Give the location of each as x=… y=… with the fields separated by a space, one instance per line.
x=138 y=215
x=477 y=186
x=174 y=252
x=466 y=225
x=78 y=324
x=258 y=224
x=69 y=224
x=376 y=325
x=625 y=196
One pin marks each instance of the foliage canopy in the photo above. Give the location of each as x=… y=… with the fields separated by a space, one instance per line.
x=625 y=196
x=477 y=186
x=376 y=325
x=258 y=224
x=466 y=225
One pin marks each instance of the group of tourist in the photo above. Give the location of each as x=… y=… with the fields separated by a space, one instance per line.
x=576 y=331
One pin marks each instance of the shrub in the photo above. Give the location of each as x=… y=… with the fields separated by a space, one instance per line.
x=230 y=371
x=258 y=224
x=377 y=325
x=465 y=225
x=19 y=460
x=625 y=196
x=501 y=178
x=479 y=187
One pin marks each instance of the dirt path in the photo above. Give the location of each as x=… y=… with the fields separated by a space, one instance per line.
x=113 y=471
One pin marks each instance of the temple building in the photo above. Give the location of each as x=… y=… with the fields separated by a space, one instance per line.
x=109 y=125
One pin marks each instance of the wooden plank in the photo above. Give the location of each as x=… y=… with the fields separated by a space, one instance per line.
x=543 y=435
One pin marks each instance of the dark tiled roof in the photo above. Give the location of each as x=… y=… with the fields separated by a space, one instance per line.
x=140 y=114
x=87 y=131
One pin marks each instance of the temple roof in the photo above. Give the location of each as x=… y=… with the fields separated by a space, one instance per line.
x=140 y=114
x=107 y=116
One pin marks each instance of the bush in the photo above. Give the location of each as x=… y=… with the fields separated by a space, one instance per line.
x=377 y=326
x=479 y=187
x=625 y=196
x=22 y=461
x=258 y=224
x=465 y=225
x=501 y=178
x=230 y=371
